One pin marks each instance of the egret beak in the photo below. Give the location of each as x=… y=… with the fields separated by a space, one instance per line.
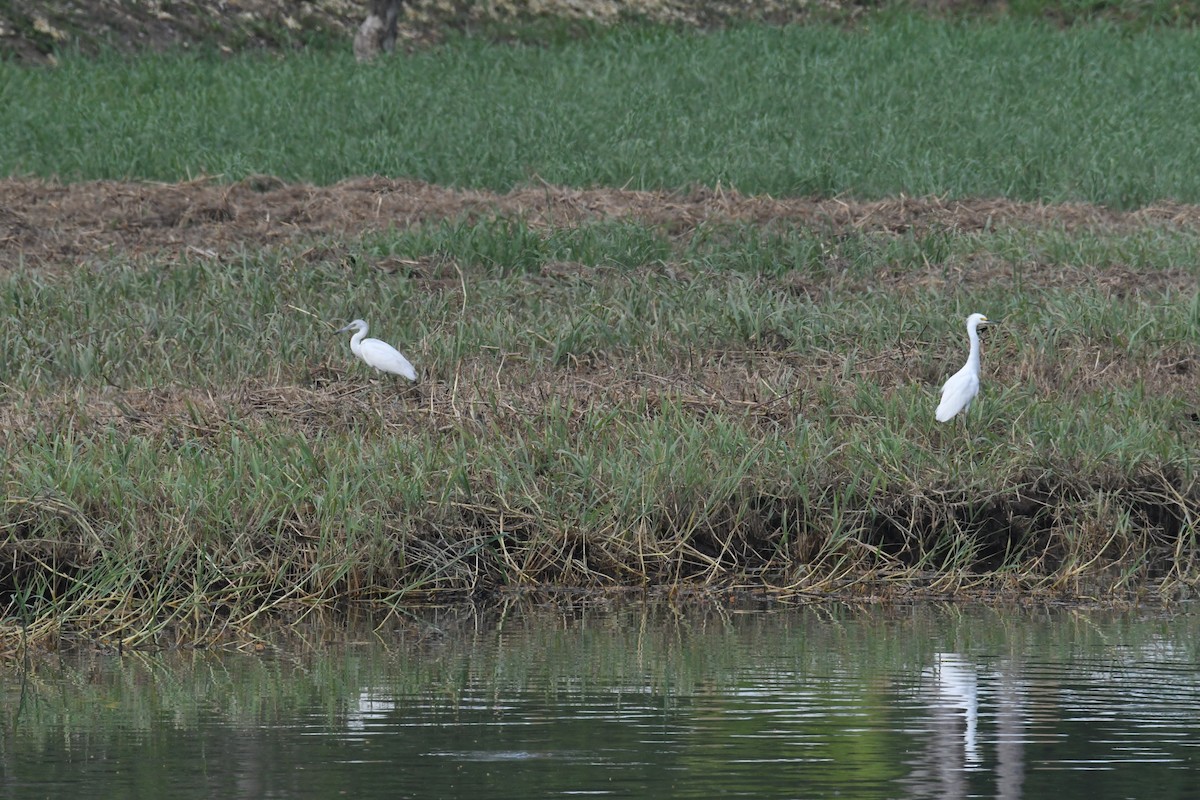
x=343 y=330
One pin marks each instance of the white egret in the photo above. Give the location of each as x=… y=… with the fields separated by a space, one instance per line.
x=960 y=388
x=380 y=355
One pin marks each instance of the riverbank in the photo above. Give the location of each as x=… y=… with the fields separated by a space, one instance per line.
x=618 y=389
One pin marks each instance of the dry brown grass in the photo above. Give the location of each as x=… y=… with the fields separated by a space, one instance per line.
x=49 y=224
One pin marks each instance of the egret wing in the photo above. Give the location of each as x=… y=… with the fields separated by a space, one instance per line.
x=385 y=358
x=957 y=393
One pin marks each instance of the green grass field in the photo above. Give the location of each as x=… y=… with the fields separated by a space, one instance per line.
x=898 y=104
x=615 y=402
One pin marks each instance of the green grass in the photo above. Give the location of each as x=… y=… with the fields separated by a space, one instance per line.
x=898 y=104
x=187 y=444
x=638 y=294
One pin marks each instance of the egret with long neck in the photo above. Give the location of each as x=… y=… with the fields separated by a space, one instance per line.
x=380 y=355
x=961 y=387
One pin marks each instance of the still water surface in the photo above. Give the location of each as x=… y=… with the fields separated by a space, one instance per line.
x=633 y=701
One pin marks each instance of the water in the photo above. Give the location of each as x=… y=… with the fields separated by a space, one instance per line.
x=579 y=700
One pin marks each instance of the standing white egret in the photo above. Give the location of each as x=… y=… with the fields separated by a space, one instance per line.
x=960 y=388
x=380 y=355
